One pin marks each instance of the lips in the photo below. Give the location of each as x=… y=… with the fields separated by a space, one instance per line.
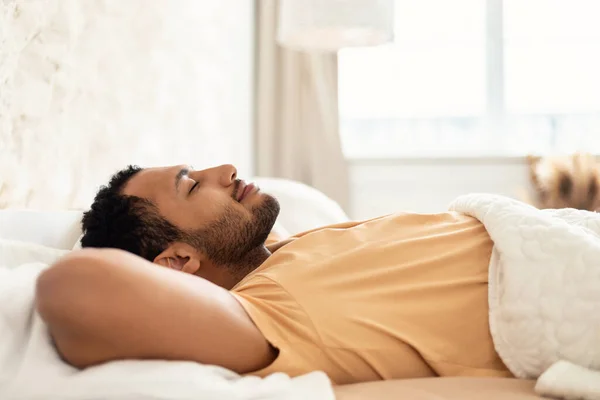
x=244 y=189
x=247 y=190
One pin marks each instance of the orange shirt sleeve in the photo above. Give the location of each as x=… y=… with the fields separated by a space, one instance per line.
x=283 y=323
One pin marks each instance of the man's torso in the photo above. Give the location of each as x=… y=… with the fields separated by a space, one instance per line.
x=395 y=297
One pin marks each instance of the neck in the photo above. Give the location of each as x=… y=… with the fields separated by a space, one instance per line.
x=227 y=276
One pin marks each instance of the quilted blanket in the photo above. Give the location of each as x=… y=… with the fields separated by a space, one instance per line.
x=544 y=292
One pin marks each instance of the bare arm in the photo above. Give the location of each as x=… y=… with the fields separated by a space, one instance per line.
x=103 y=305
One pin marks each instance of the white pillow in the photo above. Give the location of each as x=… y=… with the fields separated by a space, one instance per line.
x=52 y=228
x=280 y=231
x=302 y=207
x=78 y=245
x=14 y=253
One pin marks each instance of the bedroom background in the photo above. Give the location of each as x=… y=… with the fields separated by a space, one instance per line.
x=466 y=90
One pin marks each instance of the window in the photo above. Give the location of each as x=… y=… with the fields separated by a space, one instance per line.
x=476 y=77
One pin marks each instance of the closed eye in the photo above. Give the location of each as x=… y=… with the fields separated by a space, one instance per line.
x=193 y=187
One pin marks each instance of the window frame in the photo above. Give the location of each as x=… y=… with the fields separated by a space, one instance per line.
x=496 y=119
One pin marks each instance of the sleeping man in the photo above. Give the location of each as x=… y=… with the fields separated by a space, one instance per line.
x=176 y=268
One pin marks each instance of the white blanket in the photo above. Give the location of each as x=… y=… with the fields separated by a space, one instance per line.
x=31 y=370
x=544 y=292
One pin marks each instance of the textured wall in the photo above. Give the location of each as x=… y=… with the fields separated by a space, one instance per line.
x=88 y=86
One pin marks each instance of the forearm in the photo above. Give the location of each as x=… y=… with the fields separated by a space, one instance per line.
x=106 y=305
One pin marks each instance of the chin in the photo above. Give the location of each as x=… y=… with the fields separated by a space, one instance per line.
x=264 y=212
x=268 y=206
x=261 y=198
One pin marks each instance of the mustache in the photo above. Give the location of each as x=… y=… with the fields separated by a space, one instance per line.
x=236 y=189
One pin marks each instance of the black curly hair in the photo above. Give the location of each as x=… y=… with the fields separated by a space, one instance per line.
x=125 y=222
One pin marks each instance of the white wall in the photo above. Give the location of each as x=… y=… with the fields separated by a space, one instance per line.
x=381 y=187
x=87 y=87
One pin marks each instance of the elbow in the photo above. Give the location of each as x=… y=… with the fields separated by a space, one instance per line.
x=66 y=295
x=58 y=287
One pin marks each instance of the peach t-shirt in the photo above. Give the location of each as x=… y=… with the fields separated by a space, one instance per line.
x=400 y=296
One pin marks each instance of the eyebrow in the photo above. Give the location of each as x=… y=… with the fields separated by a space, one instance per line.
x=182 y=172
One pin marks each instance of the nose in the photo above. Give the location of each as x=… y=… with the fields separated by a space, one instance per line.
x=227 y=174
x=223 y=175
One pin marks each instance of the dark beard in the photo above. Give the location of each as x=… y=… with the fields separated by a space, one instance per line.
x=231 y=241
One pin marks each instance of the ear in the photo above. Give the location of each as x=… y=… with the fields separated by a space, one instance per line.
x=180 y=257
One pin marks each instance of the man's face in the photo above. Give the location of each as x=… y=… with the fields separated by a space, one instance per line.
x=225 y=217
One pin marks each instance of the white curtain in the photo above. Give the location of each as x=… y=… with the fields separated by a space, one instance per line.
x=297 y=129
